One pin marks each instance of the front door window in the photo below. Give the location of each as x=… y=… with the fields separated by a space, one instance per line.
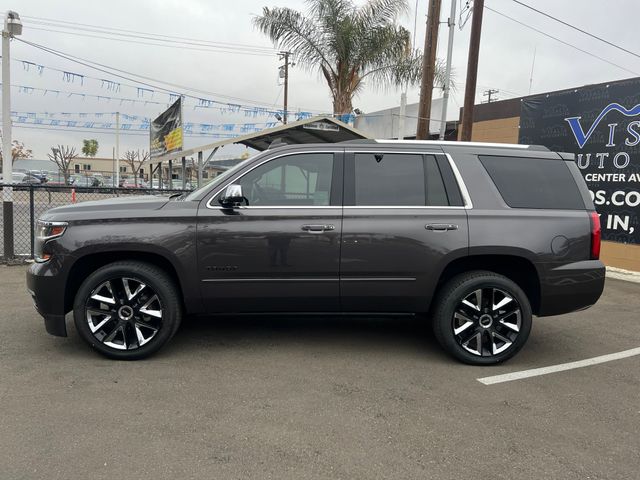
x=293 y=180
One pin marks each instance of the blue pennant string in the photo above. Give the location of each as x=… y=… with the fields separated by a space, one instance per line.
x=71 y=77
x=110 y=85
x=143 y=91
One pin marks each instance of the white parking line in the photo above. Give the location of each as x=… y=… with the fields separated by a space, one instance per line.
x=535 y=372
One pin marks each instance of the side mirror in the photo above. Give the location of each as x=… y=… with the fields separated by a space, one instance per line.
x=233 y=197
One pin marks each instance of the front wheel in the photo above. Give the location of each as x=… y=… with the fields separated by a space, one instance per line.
x=127 y=310
x=482 y=318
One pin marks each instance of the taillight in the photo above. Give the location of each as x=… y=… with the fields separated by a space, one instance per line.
x=596 y=235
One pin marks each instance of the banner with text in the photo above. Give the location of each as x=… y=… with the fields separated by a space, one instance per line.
x=166 y=131
x=601 y=125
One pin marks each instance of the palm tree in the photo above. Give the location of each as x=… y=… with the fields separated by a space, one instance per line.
x=350 y=45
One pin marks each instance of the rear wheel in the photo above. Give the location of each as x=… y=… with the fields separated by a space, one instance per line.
x=482 y=318
x=127 y=310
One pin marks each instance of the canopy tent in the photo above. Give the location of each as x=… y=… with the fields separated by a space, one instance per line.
x=320 y=129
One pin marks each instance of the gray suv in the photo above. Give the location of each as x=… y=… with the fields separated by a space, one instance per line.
x=476 y=237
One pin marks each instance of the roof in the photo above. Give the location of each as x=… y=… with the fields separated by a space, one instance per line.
x=320 y=129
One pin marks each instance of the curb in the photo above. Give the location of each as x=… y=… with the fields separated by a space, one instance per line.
x=621 y=274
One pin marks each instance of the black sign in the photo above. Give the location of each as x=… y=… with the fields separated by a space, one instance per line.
x=601 y=125
x=166 y=131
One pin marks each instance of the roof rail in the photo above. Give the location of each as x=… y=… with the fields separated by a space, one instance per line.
x=541 y=148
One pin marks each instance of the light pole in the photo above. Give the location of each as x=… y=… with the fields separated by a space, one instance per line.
x=447 y=78
x=12 y=28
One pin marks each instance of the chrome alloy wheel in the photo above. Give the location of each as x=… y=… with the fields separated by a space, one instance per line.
x=487 y=322
x=124 y=313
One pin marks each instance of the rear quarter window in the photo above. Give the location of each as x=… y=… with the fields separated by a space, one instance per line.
x=534 y=182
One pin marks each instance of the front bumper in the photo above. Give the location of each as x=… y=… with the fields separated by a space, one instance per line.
x=571 y=287
x=46 y=285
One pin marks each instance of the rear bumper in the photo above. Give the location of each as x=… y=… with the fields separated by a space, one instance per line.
x=46 y=287
x=571 y=287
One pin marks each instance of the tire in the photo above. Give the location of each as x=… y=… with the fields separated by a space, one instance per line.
x=485 y=329
x=127 y=310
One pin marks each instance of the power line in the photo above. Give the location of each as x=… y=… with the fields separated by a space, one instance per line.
x=113 y=30
x=28 y=63
x=561 y=41
x=170 y=44
x=106 y=69
x=577 y=28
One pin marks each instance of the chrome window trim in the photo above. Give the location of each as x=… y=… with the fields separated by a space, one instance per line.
x=405 y=207
x=468 y=204
x=263 y=207
x=466 y=198
x=239 y=176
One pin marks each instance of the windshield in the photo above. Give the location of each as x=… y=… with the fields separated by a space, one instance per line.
x=217 y=180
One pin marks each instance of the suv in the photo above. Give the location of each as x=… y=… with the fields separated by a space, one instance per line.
x=478 y=236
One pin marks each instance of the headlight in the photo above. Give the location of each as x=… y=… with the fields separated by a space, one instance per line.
x=46 y=231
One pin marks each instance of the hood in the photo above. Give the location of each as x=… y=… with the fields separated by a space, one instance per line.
x=126 y=206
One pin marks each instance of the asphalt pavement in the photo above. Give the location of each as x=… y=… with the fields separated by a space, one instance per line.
x=292 y=398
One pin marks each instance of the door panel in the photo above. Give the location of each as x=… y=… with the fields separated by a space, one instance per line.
x=261 y=260
x=390 y=260
x=403 y=221
x=281 y=252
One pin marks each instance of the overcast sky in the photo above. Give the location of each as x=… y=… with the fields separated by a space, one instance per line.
x=506 y=57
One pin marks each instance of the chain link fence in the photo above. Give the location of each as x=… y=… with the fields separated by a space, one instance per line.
x=31 y=201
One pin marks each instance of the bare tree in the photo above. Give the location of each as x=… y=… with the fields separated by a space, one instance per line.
x=62 y=156
x=136 y=160
x=18 y=151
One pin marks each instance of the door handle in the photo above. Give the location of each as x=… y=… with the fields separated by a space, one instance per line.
x=318 y=228
x=441 y=227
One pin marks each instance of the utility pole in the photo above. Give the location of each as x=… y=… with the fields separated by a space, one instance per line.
x=472 y=71
x=117 y=150
x=12 y=27
x=447 y=76
x=285 y=67
x=428 y=69
x=489 y=94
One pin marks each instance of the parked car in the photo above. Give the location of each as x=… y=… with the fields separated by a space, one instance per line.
x=480 y=237
x=21 y=178
x=84 y=181
x=41 y=175
x=133 y=183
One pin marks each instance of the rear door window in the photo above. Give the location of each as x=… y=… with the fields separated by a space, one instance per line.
x=392 y=179
x=534 y=182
